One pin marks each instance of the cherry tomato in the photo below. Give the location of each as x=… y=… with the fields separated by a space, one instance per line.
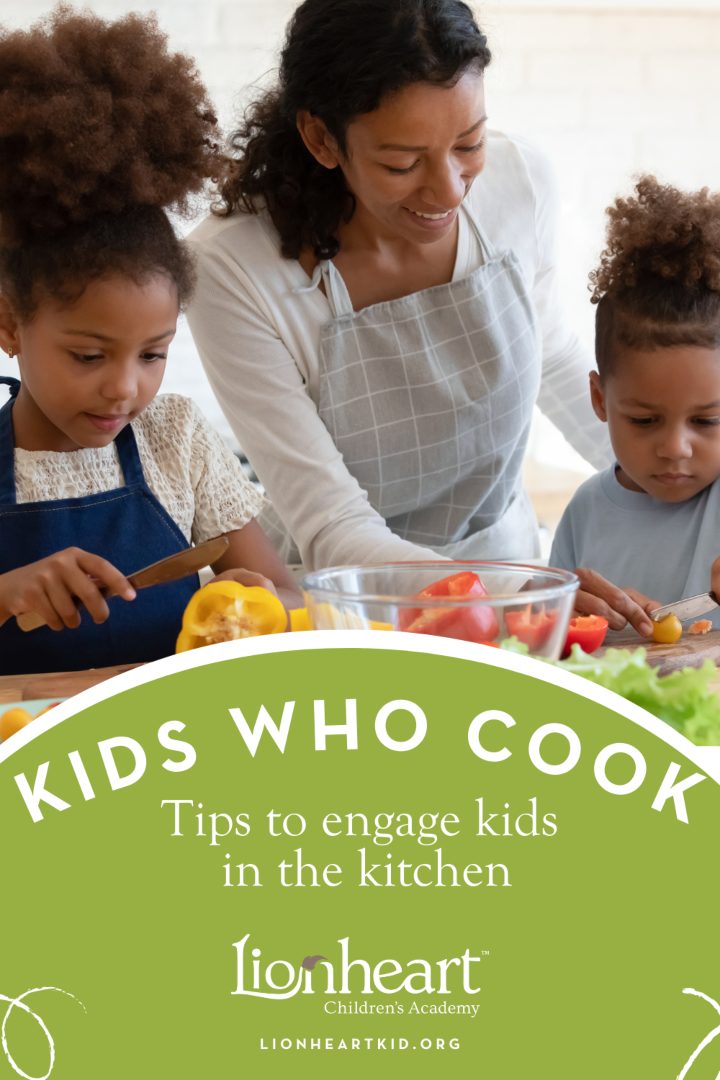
x=472 y=623
x=667 y=630
x=587 y=631
x=13 y=720
x=533 y=628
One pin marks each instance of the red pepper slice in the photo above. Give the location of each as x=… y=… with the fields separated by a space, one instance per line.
x=533 y=628
x=477 y=623
x=587 y=631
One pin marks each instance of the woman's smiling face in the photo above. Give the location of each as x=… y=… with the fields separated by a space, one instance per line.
x=411 y=162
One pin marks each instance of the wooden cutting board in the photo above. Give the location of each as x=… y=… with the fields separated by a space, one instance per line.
x=692 y=650
x=61 y=684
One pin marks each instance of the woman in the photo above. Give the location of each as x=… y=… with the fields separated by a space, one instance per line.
x=377 y=304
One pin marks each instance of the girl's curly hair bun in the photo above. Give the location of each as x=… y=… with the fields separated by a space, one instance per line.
x=97 y=117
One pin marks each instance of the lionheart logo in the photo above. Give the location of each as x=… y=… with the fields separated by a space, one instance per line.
x=280 y=979
x=709 y=1038
x=19 y=1003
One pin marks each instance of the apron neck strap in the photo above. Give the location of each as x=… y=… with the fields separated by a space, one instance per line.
x=7 y=444
x=129 y=457
x=126 y=445
x=12 y=383
x=486 y=247
x=336 y=290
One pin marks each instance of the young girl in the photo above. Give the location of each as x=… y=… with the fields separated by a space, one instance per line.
x=101 y=129
x=651 y=521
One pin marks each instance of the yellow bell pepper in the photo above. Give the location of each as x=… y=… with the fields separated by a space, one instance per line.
x=226 y=611
x=299 y=619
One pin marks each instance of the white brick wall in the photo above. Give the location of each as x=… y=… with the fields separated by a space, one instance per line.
x=606 y=89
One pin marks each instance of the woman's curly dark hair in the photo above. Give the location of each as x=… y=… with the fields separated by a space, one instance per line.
x=658 y=282
x=340 y=59
x=101 y=129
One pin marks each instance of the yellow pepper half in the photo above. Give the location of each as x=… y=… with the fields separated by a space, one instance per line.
x=226 y=611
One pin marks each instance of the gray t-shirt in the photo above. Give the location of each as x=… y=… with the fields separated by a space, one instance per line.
x=663 y=549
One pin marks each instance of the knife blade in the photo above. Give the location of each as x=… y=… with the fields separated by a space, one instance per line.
x=689 y=608
x=172 y=568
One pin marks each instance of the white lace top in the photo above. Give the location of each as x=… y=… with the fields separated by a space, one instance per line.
x=187 y=466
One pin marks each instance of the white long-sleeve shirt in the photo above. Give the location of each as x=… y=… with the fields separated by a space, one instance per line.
x=258 y=340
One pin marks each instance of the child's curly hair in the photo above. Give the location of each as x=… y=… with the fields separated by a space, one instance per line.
x=101 y=129
x=658 y=283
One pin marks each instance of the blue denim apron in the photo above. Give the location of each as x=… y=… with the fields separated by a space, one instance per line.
x=128 y=527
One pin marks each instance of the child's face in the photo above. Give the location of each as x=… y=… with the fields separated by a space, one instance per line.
x=90 y=367
x=663 y=411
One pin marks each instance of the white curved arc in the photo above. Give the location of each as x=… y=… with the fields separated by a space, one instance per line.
x=19 y=1002
x=367 y=640
x=710 y=1037
x=698 y=993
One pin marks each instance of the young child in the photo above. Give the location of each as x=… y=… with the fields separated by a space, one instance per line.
x=652 y=520
x=102 y=129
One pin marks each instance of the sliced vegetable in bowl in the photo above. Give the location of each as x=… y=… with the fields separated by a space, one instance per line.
x=532 y=628
x=470 y=601
x=477 y=623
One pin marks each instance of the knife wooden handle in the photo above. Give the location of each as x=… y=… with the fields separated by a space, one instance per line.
x=29 y=620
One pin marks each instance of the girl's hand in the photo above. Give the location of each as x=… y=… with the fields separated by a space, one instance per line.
x=55 y=586
x=290 y=598
x=250 y=546
x=598 y=596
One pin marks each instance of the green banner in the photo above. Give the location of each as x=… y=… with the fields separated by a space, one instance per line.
x=335 y=854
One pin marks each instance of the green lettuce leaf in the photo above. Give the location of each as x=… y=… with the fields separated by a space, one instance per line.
x=684 y=698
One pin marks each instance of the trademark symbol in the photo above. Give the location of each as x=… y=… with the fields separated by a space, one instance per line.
x=485 y=952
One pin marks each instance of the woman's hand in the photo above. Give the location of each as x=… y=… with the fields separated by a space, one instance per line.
x=598 y=596
x=55 y=586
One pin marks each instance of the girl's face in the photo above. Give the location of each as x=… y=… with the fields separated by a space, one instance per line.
x=90 y=367
x=411 y=162
x=663 y=411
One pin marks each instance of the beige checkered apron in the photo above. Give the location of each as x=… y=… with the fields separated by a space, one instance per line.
x=429 y=398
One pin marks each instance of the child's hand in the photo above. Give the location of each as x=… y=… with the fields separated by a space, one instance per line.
x=55 y=586
x=598 y=596
x=715 y=577
x=291 y=598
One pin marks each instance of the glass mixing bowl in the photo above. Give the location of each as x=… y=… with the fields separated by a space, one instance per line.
x=531 y=603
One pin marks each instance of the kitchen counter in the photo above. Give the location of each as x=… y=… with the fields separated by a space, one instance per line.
x=66 y=683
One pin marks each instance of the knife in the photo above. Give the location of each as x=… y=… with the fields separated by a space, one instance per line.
x=689 y=608
x=173 y=568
